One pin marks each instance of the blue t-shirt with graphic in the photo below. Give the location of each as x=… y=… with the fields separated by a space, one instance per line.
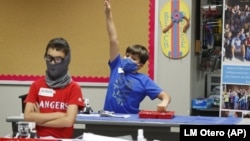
x=126 y=90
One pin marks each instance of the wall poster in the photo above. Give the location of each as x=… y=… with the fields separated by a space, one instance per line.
x=235 y=72
x=174 y=19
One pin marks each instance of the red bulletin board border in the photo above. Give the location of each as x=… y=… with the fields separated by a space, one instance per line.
x=94 y=79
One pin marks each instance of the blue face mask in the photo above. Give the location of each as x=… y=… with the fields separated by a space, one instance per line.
x=128 y=65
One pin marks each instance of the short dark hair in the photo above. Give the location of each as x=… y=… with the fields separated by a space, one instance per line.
x=60 y=44
x=139 y=50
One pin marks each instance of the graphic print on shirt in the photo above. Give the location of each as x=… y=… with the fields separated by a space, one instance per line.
x=48 y=100
x=53 y=105
x=122 y=88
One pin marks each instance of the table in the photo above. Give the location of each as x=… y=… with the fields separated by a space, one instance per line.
x=160 y=129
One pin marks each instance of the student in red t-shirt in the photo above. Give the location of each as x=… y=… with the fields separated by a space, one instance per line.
x=53 y=102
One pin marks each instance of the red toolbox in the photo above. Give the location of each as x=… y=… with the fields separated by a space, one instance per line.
x=156 y=115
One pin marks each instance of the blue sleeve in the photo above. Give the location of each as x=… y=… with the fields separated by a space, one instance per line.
x=115 y=62
x=152 y=89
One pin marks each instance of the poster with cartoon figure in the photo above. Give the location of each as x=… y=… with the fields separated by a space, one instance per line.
x=174 y=19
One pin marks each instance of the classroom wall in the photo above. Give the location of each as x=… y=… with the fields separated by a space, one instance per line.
x=28 y=26
x=180 y=78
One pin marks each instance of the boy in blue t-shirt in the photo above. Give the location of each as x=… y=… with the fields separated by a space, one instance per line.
x=127 y=87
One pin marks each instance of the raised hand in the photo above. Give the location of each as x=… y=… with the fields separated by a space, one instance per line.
x=107 y=6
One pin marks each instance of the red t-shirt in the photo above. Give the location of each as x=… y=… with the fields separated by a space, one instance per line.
x=55 y=100
x=248 y=42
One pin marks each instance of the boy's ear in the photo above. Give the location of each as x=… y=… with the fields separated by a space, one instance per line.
x=140 y=65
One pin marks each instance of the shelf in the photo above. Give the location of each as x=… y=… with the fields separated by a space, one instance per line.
x=214 y=111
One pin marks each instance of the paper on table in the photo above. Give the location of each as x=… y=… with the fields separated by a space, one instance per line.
x=94 y=137
x=105 y=115
x=89 y=115
x=120 y=116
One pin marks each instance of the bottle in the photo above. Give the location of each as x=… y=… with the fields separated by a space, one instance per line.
x=140 y=136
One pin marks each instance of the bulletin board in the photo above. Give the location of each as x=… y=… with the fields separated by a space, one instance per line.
x=27 y=26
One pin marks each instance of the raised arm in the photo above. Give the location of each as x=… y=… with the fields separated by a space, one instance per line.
x=113 y=39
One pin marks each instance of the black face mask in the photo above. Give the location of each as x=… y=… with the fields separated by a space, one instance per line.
x=55 y=71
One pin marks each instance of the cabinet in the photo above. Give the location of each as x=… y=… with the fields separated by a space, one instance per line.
x=213 y=80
